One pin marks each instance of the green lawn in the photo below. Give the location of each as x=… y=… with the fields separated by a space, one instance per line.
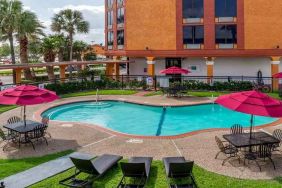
x=101 y=92
x=12 y=166
x=4 y=108
x=153 y=93
x=157 y=179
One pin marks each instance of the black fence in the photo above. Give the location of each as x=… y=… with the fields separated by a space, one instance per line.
x=156 y=82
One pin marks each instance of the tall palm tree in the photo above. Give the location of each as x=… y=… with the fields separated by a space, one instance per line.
x=71 y=22
x=10 y=11
x=28 y=28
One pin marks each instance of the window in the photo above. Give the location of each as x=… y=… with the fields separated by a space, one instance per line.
x=110 y=3
x=193 y=9
x=226 y=34
x=193 y=34
x=120 y=16
x=110 y=38
x=225 y=8
x=120 y=37
x=120 y=2
x=110 y=18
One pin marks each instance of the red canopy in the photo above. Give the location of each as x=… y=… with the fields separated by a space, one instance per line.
x=26 y=95
x=278 y=75
x=175 y=70
x=252 y=102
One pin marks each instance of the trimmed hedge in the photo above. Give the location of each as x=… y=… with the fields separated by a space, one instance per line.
x=216 y=86
x=105 y=83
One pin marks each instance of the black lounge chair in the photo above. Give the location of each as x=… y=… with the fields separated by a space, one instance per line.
x=136 y=169
x=95 y=168
x=177 y=168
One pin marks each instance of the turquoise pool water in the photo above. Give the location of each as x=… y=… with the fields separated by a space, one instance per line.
x=152 y=121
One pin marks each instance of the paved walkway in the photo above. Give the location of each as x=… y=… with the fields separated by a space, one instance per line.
x=39 y=173
x=200 y=147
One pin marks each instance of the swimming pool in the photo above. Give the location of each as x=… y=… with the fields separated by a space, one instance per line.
x=146 y=120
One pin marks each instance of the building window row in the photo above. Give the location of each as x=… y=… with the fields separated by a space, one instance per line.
x=193 y=11
x=115 y=23
x=225 y=36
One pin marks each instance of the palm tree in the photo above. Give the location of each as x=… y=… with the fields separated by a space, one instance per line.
x=71 y=22
x=28 y=27
x=10 y=14
x=50 y=47
x=78 y=48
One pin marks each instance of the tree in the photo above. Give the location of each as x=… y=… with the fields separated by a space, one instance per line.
x=71 y=22
x=78 y=48
x=50 y=48
x=34 y=50
x=5 y=50
x=10 y=14
x=28 y=28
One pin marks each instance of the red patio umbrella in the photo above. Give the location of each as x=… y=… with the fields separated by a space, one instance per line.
x=26 y=95
x=278 y=75
x=252 y=102
x=175 y=70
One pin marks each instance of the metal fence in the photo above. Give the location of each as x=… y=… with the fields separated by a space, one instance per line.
x=155 y=82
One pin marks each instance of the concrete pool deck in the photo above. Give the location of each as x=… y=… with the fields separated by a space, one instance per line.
x=199 y=146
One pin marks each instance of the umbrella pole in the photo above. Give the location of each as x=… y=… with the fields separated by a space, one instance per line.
x=251 y=128
x=24 y=116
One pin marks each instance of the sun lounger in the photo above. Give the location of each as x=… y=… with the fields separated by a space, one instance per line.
x=94 y=167
x=135 y=172
x=177 y=168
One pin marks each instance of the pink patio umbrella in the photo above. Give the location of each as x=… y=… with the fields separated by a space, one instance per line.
x=252 y=102
x=175 y=70
x=278 y=75
x=25 y=95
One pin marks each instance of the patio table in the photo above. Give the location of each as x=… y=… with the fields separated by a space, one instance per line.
x=22 y=129
x=244 y=140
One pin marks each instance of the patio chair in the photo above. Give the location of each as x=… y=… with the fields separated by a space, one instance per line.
x=45 y=121
x=95 y=168
x=6 y=138
x=278 y=135
x=36 y=134
x=264 y=152
x=236 y=129
x=135 y=172
x=177 y=168
x=228 y=150
x=14 y=119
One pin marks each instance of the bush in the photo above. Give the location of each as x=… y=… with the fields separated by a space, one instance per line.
x=218 y=86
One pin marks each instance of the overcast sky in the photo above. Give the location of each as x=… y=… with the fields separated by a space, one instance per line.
x=93 y=12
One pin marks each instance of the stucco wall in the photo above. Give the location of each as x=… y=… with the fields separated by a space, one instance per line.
x=263 y=24
x=222 y=66
x=151 y=23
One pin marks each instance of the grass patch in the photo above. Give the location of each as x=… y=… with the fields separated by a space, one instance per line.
x=157 y=179
x=13 y=166
x=4 y=108
x=153 y=93
x=207 y=93
x=101 y=92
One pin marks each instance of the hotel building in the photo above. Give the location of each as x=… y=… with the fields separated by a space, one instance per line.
x=208 y=37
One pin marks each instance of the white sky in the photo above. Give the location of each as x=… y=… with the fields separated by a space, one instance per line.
x=93 y=12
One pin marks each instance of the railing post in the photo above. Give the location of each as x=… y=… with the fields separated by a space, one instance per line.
x=155 y=82
x=122 y=81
